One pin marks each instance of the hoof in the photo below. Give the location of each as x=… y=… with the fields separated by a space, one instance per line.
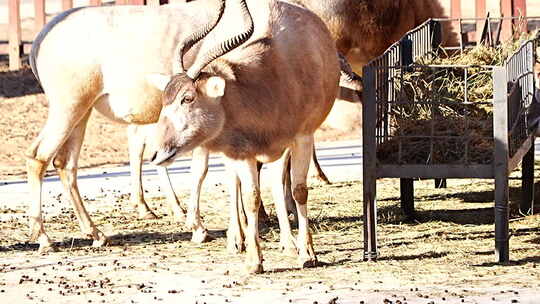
x=45 y=244
x=319 y=180
x=200 y=236
x=308 y=263
x=254 y=268
x=235 y=248
x=99 y=243
x=46 y=248
x=289 y=250
x=235 y=243
x=100 y=240
x=35 y=229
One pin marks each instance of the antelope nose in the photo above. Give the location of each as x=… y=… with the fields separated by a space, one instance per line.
x=153 y=157
x=163 y=157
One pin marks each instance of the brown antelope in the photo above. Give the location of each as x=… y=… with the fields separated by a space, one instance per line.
x=254 y=104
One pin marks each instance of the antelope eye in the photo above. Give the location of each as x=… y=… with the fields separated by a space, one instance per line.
x=187 y=99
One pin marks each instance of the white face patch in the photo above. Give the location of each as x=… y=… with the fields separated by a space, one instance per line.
x=170 y=112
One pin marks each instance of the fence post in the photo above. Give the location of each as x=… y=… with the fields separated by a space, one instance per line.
x=506 y=11
x=481 y=12
x=500 y=163
x=39 y=15
x=455 y=12
x=67 y=4
x=520 y=9
x=14 y=32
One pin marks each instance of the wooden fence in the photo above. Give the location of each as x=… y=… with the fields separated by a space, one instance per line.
x=508 y=8
x=15 y=50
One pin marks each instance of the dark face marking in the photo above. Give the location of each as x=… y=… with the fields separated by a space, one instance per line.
x=180 y=86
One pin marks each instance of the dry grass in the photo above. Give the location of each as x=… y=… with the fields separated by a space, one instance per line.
x=448 y=98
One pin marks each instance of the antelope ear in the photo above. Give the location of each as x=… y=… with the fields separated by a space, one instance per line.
x=215 y=87
x=158 y=81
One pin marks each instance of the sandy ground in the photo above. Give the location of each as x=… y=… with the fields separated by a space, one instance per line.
x=445 y=256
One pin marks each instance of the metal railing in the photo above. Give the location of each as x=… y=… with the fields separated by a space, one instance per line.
x=390 y=112
x=520 y=76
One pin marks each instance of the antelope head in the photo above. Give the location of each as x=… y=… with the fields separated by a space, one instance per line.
x=192 y=113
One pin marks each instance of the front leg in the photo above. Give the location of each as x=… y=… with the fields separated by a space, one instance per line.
x=199 y=168
x=251 y=198
x=235 y=235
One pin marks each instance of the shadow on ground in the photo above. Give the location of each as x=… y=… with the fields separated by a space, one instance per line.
x=17 y=83
x=118 y=240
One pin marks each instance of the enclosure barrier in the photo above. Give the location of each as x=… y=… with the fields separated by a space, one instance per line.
x=15 y=47
x=511 y=142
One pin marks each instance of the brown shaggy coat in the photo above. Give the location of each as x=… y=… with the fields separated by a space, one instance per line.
x=363 y=29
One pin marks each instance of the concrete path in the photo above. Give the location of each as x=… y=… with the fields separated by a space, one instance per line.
x=340 y=161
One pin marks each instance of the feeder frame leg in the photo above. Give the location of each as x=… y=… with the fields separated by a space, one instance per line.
x=500 y=163
x=440 y=183
x=527 y=182
x=406 y=187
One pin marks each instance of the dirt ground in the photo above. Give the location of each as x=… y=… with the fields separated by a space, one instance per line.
x=445 y=256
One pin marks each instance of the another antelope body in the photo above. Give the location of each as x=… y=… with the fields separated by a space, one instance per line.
x=265 y=97
x=97 y=57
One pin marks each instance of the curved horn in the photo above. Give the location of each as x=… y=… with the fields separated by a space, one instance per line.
x=192 y=39
x=225 y=46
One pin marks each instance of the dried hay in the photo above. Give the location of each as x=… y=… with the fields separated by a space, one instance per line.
x=443 y=112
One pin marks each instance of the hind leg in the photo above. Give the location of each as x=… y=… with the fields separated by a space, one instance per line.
x=36 y=170
x=42 y=150
x=300 y=157
x=65 y=163
x=317 y=174
x=176 y=210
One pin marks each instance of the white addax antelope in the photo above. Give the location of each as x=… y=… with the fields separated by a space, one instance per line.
x=252 y=104
x=98 y=57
